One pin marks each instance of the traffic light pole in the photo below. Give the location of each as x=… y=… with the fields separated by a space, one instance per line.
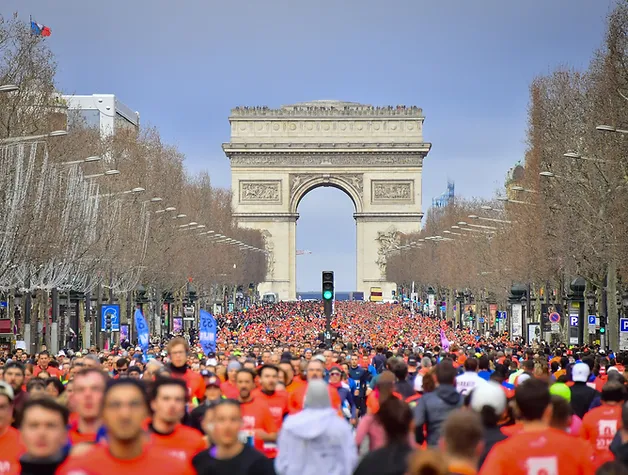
x=328 y=303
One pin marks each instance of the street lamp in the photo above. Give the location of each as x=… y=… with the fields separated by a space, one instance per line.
x=508 y=200
x=610 y=128
x=577 y=156
x=521 y=188
x=28 y=138
x=91 y=159
x=106 y=173
x=169 y=208
x=180 y=216
x=549 y=175
x=494 y=220
x=9 y=88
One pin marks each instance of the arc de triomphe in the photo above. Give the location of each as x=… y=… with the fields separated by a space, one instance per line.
x=373 y=154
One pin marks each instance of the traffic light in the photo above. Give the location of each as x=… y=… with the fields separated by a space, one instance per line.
x=328 y=292
x=602 y=323
x=108 y=322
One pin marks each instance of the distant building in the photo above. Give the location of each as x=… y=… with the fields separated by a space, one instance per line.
x=444 y=199
x=104 y=111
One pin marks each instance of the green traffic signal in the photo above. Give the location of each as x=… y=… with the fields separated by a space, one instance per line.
x=602 y=330
x=327 y=295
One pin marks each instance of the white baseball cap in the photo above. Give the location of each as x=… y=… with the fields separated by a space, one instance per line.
x=580 y=372
x=489 y=394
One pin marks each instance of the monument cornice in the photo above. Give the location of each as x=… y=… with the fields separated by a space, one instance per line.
x=388 y=216
x=320 y=109
x=255 y=216
x=288 y=147
x=327 y=159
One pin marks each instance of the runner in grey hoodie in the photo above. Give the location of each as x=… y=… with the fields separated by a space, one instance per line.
x=316 y=440
x=433 y=408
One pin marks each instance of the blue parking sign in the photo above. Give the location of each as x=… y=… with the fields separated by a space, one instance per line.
x=114 y=312
x=623 y=325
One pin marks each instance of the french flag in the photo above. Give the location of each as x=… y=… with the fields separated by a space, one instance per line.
x=38 y=29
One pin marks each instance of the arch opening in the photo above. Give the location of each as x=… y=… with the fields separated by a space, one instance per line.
x=327 y=231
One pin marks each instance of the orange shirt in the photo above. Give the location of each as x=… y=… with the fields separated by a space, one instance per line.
x=11 y=449
x=195 y=384
x=256 y=415
x=278 y=406
x=182 y=443
x=547 y=451
x=51 y=370
x=599 y=426
x=295 y=401
x=77 y=437
x=372 y=402
x=229 y=390
x=99 y=461
x=277 y=403
x=294 y=385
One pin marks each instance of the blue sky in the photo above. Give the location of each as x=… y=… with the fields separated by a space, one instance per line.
x=185 y=64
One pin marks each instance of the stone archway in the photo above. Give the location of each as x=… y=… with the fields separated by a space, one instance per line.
x=373 y=154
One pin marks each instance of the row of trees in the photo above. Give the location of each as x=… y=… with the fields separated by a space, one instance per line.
x=71 y=223
x=565 y=208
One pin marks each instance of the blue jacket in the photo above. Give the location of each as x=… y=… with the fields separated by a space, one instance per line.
x=347 y=404
x=361 y=378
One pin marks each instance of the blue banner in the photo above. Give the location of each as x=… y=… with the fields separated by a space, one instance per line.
x=141 y=327
x=207 y=332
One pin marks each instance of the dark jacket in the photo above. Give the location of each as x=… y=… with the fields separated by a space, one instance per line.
x=405 y=389
x=361 y=377
x=619 y=449
x=432 y=410
x=247 y=462
x=379 y=361
x=31 y=466
x=492 y=435
x=581 y=398
x=389 y=460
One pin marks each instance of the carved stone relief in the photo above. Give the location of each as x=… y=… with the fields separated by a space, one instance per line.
x=270 y=257
x=325 y=159
x=355 y=180
x=392 y=190
x=387 y=241
x=260 y=191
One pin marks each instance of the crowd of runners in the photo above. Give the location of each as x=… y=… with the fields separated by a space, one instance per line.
x=395 y=393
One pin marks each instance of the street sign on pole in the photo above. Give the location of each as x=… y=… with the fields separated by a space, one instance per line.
x=623 y=333
x=113 y=312
x=592 y=325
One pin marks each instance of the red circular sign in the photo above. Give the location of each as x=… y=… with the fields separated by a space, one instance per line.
x=554 y=317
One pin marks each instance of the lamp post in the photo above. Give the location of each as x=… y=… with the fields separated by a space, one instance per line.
x=29 y=138
x=590 y=299
x=91 y=159
x=105 y=173
x=9 y=88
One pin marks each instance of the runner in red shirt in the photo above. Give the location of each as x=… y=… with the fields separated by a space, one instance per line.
x=11 y=447
x=600 y=424
x=315 y=369
x=168 y=400
x=86 y=399
x=537 y=448
x=277 y=402
x=178 y=349
x=43 y=364
x=258 y=423
x=229 y=388
x=127 y=451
